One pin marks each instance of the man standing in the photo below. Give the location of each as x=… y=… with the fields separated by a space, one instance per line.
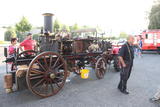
x=140 y=44
x=28 y=43
x=126 y=56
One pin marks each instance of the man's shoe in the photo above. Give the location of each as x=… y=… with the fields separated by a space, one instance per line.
x=125 y=92
x=119 y=88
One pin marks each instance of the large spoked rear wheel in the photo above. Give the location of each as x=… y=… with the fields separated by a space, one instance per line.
x=47 y=74
x=100 y=68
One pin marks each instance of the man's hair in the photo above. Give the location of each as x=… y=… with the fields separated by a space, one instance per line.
x=29 y=34
x=13 y=39
x=129 y=36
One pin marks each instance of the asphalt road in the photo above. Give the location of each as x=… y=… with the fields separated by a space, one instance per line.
x=143 y=83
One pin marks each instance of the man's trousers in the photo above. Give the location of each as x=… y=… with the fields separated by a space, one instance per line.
x=124 y=75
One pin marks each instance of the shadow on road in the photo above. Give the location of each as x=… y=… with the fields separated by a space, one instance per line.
x=150 y=52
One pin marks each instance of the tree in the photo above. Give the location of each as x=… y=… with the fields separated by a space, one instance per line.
x=36 y=36
x=154 y=16
x=74 y=27
x=23 y=25
x=20 y=36
x=123 y=35
x=65 y=28
x=85 y=27
x=10 y=33
x=56 y=25
x=113 y=38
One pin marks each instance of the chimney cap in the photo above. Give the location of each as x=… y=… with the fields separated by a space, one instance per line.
x=48 y=14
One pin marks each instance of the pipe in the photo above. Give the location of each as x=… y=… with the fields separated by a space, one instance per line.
x=48 y=24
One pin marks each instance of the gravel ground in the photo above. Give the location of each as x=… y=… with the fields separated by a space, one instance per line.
x=143 y=83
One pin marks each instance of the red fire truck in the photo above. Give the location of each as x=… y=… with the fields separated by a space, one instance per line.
x=150 y=40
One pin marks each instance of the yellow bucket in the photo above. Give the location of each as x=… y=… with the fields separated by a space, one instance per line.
x=84 y=73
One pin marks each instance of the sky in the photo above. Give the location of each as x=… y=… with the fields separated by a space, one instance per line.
x=113 y=16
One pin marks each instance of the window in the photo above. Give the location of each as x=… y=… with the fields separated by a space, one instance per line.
x=146 y=36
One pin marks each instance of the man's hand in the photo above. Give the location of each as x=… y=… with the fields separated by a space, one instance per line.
x=122 y=62
x=21 y=49
x=124 y=65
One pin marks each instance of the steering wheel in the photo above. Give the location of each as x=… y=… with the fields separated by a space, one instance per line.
x=27 y=53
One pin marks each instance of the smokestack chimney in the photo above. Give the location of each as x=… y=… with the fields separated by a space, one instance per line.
x=48 y=25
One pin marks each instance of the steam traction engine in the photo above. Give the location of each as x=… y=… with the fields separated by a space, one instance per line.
x=45 y=71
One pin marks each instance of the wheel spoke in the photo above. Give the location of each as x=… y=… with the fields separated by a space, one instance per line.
x=44 y=58
x=33 y=75
x=36 y=77
x=59 y=66
x=41 y=65
x=46 y=87
x=57 y=84
x=39 y=82
x=59 y=72
x=102 y=72
x=59 y=78
x=35 y=71
x=51 y=85
x=55 y=63
x=50 y=61
x=42 y=86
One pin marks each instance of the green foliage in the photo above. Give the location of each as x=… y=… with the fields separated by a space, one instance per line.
x=20 y=36
x=36 y=36
x=10 y=33
x=84 y=27
x=23 y=25
x=123 y=35
x=154 y=16
x=98 y=28
x=56 y=25
x=111 y=38
x=65 y=28
x=62 y=27
x=74 y=27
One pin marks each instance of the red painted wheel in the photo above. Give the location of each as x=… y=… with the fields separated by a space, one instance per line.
x=100 y=68
x=47 y=74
